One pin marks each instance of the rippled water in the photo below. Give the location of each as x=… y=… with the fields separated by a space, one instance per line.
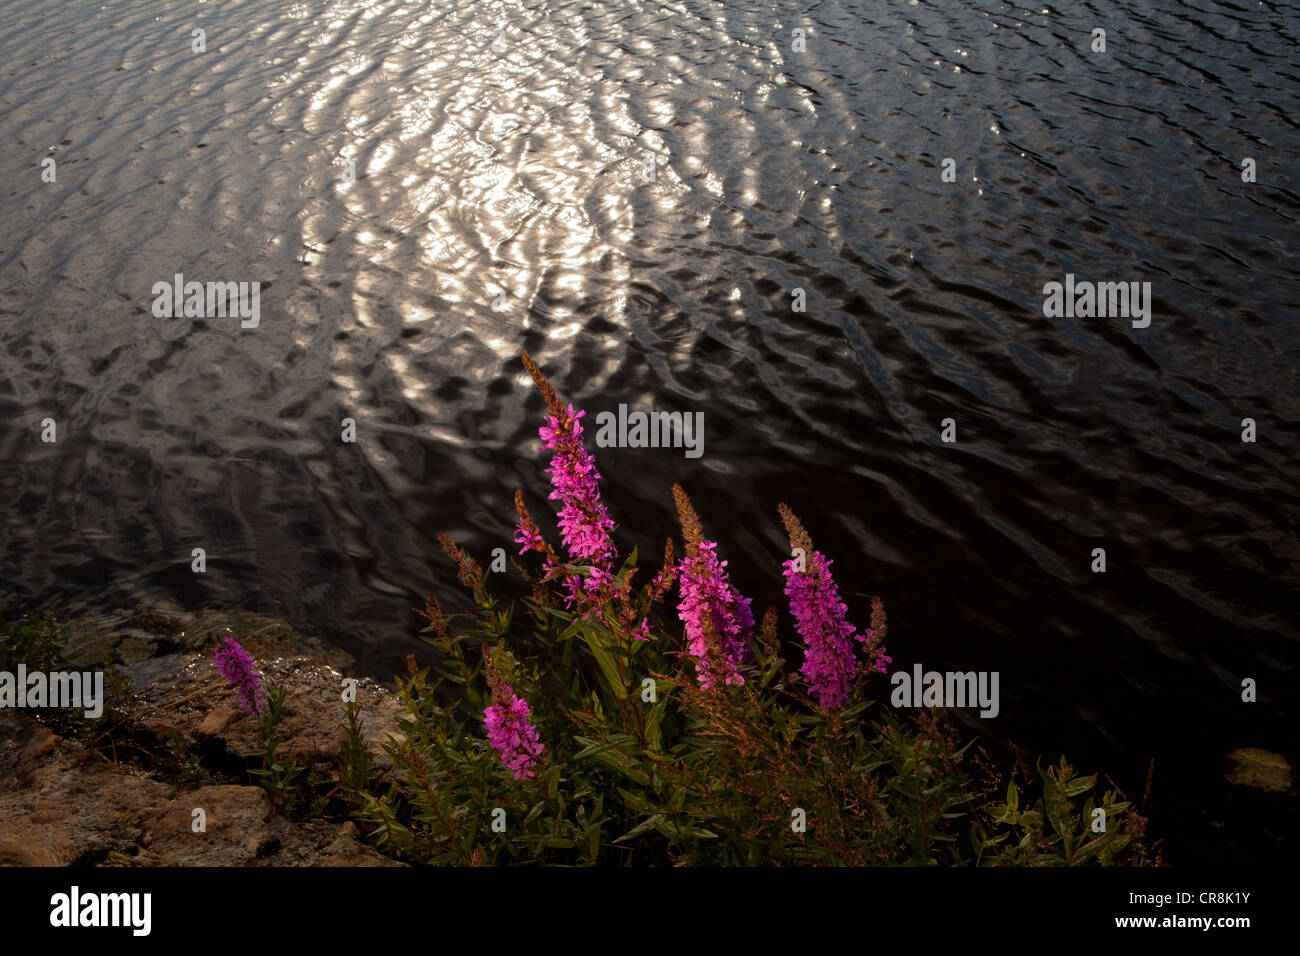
x=631 y=191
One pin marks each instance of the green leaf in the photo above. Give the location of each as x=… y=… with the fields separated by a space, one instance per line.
x=634 y=800
x=609 y=753
x=1057 y=807
x=650 y=823
x=1080 y=785
x=607 y=666
x=674 y=832
x=654 y=737
x=628 y=565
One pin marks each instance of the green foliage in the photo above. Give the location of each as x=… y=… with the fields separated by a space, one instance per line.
x=187 y=766
x=690 y=777
x=113 y=731
x=36 y=640
x=280 y=774
x=1061 y=828
x=120 y=705
x=356 y=765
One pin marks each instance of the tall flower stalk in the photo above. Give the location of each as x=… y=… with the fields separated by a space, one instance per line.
x=716 y=617
x=821 y=618
x=585 y=525
x=584 y=522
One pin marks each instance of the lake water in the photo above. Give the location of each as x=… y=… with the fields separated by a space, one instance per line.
x=633 y=191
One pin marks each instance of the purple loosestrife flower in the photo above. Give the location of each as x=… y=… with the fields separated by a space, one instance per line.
x=716 y=617
x=585 y=525
x=829 y=665
x=511 y=733
x=530 y=540
x=236 y=666
x=820 y=617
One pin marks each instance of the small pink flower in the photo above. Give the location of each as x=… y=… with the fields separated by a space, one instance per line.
x=511 y=733
x=530 y=539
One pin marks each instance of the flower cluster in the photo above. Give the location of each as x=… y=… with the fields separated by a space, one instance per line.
x=236 y=666
x=716 y=617
x=875 y=643
x=468 y=571
x=585 y=525
x=820 y=617
x=511 y=732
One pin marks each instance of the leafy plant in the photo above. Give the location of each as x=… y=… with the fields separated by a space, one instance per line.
x=355 y=763
x=573 y=726
x=36 y=640
x=281 y=775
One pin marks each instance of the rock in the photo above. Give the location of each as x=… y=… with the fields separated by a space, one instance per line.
x=86 y=643
x=74 y=809
x=180 y=748
x=1261 y=769
x=235 y=826
x=184 y=694
x=364 y=856
x=244 y=808
x=135 y=647
x=217 y=721
x=22 y=853
x=41 y=742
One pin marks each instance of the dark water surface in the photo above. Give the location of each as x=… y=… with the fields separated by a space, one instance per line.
x=503 y=202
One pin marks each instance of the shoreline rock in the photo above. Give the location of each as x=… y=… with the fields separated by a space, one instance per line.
x=76 y=800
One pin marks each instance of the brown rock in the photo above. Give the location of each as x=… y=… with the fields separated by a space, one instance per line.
x=24 y=853
x=364 y=856
x=1261 y=769
x=235 y=826
x=217 y=721
x=226 y=807
x=41 y=742
x=65 y=804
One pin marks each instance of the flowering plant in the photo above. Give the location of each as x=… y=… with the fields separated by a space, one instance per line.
x=236 y=666
x=584 y=728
